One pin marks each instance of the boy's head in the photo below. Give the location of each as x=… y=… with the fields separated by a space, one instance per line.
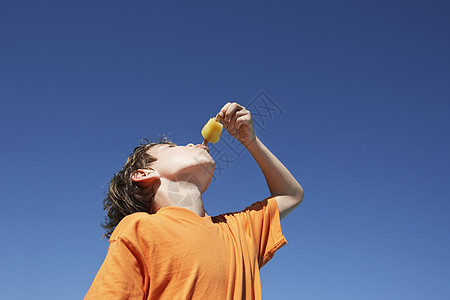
x=134 y=187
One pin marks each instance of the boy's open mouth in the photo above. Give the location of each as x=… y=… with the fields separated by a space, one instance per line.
x=203 y=147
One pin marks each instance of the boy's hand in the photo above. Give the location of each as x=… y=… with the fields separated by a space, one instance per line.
x=238 y=122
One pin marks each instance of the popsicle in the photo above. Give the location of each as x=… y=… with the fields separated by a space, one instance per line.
x=212 y=130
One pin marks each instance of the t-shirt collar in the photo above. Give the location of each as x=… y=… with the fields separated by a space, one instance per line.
x=181 y=212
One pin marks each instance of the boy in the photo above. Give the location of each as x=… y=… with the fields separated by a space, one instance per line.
x=163 y=244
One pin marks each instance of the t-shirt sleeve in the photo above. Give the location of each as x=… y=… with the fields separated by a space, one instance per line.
x=262 y=224
x=120 y=276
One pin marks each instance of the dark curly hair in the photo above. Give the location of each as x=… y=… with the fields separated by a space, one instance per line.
x=124 y=196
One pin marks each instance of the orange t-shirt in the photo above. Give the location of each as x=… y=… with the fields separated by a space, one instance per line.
x=176 y=254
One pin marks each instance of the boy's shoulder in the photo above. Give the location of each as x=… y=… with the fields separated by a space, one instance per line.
x=132 y=225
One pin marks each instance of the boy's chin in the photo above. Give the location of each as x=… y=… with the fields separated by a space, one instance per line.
x=207 y=181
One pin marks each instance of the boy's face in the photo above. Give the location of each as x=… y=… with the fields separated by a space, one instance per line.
x=173 y=160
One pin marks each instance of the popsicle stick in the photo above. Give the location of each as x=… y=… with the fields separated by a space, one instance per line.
x=205 y=143
x=217 y=117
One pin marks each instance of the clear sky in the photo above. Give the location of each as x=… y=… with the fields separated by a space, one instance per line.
x=352 y=96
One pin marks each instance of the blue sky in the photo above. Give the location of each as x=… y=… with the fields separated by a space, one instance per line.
x=362 y=91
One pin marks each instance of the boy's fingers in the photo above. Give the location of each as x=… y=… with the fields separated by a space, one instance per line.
x=230 y=112
x=223 y=110
x=238 y=114
x=232 y=108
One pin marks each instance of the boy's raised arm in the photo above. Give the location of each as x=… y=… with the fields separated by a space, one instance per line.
x=282 y=185
x=287 y=191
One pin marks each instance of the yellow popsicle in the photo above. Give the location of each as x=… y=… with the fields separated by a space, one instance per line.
x=211 y=131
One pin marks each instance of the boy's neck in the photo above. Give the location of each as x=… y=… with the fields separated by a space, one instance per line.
x=182 y=191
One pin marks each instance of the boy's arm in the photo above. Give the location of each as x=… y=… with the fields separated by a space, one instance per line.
x=282 y=185
x=120 y=276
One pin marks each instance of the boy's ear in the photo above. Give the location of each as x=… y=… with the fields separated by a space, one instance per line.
x=145 y=177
